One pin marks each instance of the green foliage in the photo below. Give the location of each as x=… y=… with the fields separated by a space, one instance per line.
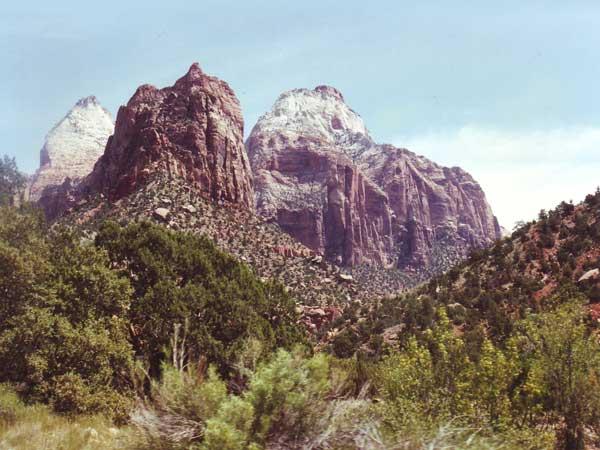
x=77 y=311
x=286 y=397
x=12 y=181
x=63 y=309
x=25 y=427
x=284 y=393
x=428 y=381
x=183 y=279
x=230 y=428
x=491 y=384
x=190 y=394
x=563 y=379
x=473 y=358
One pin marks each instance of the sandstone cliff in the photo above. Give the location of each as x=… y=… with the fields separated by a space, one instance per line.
x=192 y=130
x=73 y=146
x=321 y=177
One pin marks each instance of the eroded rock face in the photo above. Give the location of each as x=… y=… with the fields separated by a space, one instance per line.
x=314 y=191
x=430 y=203
x=320 y=176
x=73 y=146
x=192 y=130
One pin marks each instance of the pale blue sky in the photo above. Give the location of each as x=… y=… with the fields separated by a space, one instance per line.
x=506 y=89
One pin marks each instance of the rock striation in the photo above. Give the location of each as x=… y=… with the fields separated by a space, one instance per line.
x=73 y=146
x=192 y=131
x=322 y=178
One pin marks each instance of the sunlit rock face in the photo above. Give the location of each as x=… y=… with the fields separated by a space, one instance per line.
x=322 y=178
x=73 y=146
x=192 y=130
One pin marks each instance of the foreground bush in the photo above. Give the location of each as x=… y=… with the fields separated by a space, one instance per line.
x=295 y=401
x=63 y=325
x=74 y=313
x=290 y=399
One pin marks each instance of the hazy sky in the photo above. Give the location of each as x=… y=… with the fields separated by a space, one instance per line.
x=506 y=89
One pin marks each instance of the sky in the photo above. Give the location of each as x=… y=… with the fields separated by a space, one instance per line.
x=507 y=90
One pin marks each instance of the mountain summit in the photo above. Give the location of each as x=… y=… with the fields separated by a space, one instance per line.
x=73 y=146
x=192 y=130
x=323 y=179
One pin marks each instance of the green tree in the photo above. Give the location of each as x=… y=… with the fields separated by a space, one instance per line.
x=494 y=375
x=12 y=181
x=183 y=284
x=63 y=329
x=428 y=380
x=564 y=376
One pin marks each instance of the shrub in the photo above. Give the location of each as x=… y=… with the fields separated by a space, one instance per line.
x=64 y=312
x=287 y=394
x=181 y=279
x=230 y=428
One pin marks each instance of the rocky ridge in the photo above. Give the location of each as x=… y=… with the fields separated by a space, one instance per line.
x=269 y=251
x=192 y=130
x=177 y=157
x=322 y=178
x=73 y=146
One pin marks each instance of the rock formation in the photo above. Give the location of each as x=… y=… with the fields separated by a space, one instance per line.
x=320 y=176
x=73 y=146
x=192 y=131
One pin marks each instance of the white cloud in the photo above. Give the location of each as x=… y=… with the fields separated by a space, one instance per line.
x=521 y=172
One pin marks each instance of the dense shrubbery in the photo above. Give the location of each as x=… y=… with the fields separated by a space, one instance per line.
x=182 y=281
x=73 y=314
x=62 y=319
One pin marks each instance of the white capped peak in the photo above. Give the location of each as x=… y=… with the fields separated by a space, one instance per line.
x=87 y=101
x=74 y=144
x=320 y=112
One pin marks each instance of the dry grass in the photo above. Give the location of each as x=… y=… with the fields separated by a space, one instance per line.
x=25 y=427
x=345 y=424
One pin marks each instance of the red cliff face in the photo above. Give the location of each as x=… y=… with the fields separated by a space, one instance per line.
x=320 y=197
x=431 y=204
x=192 y=130
x=319 y=175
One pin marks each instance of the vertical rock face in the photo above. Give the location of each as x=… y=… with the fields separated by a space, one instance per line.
x=431 y=204
x=306 y=180
x=321 y=177
x=192 y=130
x=73 y=146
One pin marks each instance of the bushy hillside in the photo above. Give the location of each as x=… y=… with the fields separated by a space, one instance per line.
x=271 y=253
x=136 y=335
x=557 y=256
x=80 y=312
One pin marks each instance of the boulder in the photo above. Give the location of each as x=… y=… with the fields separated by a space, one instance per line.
x=162 y=214
x=589 y=275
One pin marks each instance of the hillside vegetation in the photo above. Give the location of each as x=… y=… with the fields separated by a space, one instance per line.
x=141 y=337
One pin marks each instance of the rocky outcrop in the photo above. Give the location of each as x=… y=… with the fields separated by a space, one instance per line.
x=342 y=214
x=192 y=131
x=320 y=176
x=431 y=204
x=73 y=146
